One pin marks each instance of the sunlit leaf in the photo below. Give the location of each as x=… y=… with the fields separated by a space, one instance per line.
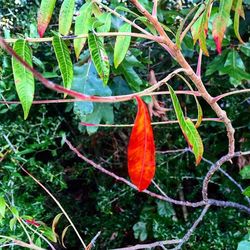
x=245 y=172
x=65 y=16
x=122 y=45
x=82 y=26
x=2 y=207
x=220 y=23
x=141 y=149
x=188 y=128
x=247 y=191
x=24 y=80
x=64 y=60
x=44 y=15
x=200 y=28
x=99 y=57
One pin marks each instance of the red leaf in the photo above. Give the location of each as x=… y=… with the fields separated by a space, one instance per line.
x=141 y=149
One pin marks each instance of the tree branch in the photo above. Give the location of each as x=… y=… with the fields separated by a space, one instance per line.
x=158 y=196
x=191 y=230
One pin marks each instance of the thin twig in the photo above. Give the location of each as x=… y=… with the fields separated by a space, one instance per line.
x=214 y=168
x=150 y=245
x=161 y=197
x=152 y=123
x=191 y=230
x=57 y=203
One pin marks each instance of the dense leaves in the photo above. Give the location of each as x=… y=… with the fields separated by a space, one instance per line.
x=141 y=149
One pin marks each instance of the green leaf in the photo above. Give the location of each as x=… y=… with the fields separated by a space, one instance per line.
x=245 y=48
x=244 y=245
x=220 y=23
x=188 y=128
x=235 y=68
x=86 y=81
x=245 y=172
x=24 y=80
x=12 y=223
x=200 y=28
x=121 y=45
x=82 y=26
x=99 y=57
x=64 y=61
x=14 y=211
x=140 y=231
x=194 y=140
x=65 y=16
x=247 y=191
x=217 y=63
x=2 y=207
x=44 y=15
x=105 y=19
x=238 y=11
x=165 y=209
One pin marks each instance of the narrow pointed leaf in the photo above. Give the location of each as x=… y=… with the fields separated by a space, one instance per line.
x=55 y=222
x=82 y=26
x=63 y=235
x=194 y=140
x=220 y=23
x=188 y=128
x=122 y=45
x=65 y=16
x=141 y=149
x=44 y=15
x=99 y=57
x=64 y=61
x=2 y=207
x=200 y=27
x=238 y=10
x=24 y=80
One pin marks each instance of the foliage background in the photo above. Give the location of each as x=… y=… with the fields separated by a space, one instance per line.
x=94 y=201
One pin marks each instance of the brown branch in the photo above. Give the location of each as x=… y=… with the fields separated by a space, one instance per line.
x=214 y=168
x=158 y=196
x=191 y=230
x=150 y=245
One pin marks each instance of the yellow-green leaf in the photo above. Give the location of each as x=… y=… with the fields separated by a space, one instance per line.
x=44 y=15
x=188 y=128
x=82 y=26
x=99 y=57
x=64 y=60
x=2 y=207
x=55 y=222
x=24 y=80
x=63 y=235
x=121 y=45
x=220 y=23
x=65 y=16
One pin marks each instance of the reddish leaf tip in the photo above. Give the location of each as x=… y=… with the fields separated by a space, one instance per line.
x=218 y=44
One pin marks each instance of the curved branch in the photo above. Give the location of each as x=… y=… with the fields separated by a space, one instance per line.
x=158 y=196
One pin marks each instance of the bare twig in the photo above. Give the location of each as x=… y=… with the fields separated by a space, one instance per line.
x=160 y=197
x=214 y=168
x=58 y=204
x=150 y=245
x=191 y=230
